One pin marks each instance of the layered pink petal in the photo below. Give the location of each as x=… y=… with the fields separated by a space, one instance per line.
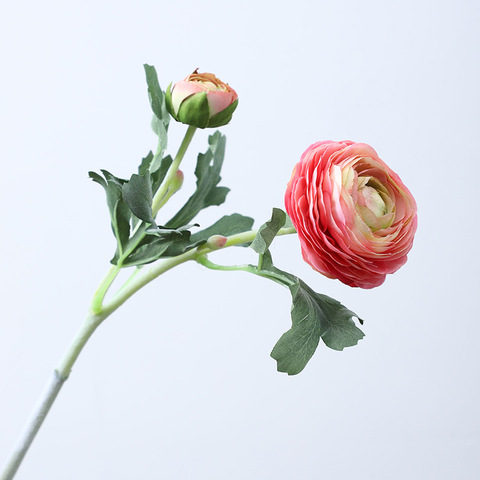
x=219 y=94
x=354 y=217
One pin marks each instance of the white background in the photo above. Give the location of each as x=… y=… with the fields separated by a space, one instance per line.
x=178 y=384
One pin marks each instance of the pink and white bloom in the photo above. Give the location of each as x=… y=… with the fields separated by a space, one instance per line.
x=355 y=218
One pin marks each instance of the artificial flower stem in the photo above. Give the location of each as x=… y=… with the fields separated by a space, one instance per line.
x=142 y=277
x=96 y=305
x=146 y=275
x=163 y=189
x=260 y=261
x=247 y=237
x=163 y=194
x=203 y=260
x=161 y=197
x=32 y=426
x=91 y=323
x=49 y=395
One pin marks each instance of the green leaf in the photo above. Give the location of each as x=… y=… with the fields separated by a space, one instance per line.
x=152 y=247
x=339 y=330
x=207 y=171
x=160 y=231
x=148 y=251
x=119 y=212
x=289 y=223
x=159 y=173
x=137 y=194
x=144 y=166
x=98 y=179
x=161 y=117
x=266 y=233
x=178 y=241
x=157 y=168
x=314 y=316
x=226 y=226
x=156 y=95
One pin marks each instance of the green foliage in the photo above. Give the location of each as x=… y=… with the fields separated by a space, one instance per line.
x=137 y=194
x=161 y=117
x=207 y=171
x=226 y=226
x=266 y=233
x=288 y=222
x=120 y=214
x=140 y=240
x=157 y=243
x=144 y=166
x=130 y=202
x=314 y=316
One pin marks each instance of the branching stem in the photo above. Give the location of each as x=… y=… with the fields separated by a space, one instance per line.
x=101 y=309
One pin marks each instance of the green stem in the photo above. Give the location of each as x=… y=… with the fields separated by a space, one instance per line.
x=140 y=278
x=139 y=233
x=161 y=196
x=48 y=396
x=203 y=260
x=247 y=237
x=91 y=323
x=96 y=305
x=32 y=426
x=162 y=191
x=260 y=261
x=146 y=275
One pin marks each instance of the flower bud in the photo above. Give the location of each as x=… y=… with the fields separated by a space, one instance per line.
x=201 y=100
x=177 y=182
x=216 y=241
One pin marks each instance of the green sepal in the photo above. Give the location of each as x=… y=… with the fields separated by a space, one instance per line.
x=267 y=232
x=223 y=117
x=207 y=193
x=168 y=102
x=194 y=110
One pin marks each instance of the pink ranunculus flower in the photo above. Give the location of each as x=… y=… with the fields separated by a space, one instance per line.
x=201 y=100
x=355 y=218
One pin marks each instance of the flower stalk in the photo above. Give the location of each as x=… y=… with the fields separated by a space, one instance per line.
x=158 y=200
x=138 y=280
